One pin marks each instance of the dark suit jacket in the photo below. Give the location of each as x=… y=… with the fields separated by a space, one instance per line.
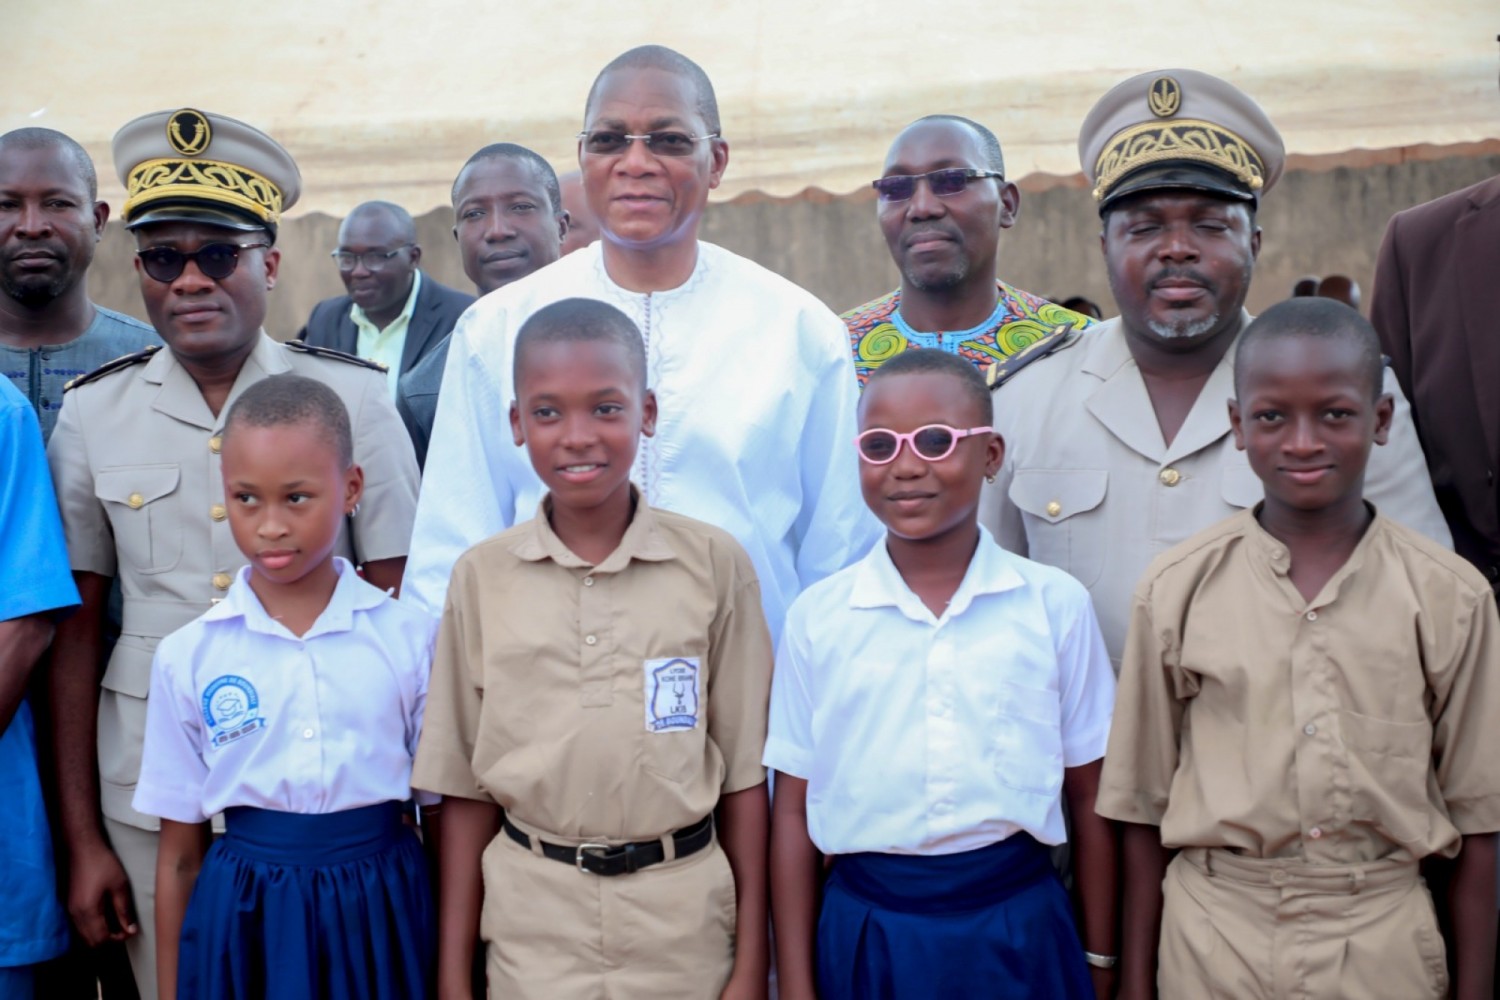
x=417 y=396
x=1437 y=306
x=438 y=308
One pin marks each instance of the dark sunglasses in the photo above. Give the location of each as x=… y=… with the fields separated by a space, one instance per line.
x=216 y=260
x=932 y=443
x=943 y=183
x=607 y=142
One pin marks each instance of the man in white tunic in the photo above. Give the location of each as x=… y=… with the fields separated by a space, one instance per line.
x=1117 y=444
x=756 y=388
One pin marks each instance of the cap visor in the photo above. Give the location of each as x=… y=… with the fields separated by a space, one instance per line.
x=1179 y=177
x=205 y=215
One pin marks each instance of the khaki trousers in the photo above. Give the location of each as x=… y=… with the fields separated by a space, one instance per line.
x=555 y=933
x=1242 y=928
x=136 y=849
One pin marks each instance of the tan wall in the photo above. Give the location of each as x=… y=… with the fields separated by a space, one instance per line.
x=1315 y=223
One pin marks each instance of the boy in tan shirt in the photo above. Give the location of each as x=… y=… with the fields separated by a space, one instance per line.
x=601 y=676
x=1307 y=708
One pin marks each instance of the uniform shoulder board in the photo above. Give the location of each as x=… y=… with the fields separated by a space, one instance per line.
x=139 y=357
x=328 y=352
x=1064 y=335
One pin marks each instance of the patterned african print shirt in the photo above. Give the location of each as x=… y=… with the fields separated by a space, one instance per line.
x=877 y=332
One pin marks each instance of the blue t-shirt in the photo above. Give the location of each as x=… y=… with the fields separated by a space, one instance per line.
x=40 y=373
x=34 y=577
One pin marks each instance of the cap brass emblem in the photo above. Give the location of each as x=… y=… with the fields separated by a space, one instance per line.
x=1165 y=97
x=188 y=132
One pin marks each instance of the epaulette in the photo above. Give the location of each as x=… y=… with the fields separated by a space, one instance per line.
x=1001 y=372
x=137 y=358
x=328 y=352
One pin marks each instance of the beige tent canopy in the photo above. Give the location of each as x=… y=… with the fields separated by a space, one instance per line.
x=386 y=100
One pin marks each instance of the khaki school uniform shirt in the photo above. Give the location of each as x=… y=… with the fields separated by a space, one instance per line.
x=614 y=702
x=1090 y=486
x=1363 y=724
x=135 y=458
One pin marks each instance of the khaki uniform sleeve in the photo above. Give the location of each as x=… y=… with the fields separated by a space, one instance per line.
x=739 y=678
x=383 y=449
x=91 y=543
x=1143 y=738
x=1466 y=716
x=455 y=697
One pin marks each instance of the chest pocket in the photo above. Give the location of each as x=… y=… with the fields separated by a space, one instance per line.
x=1064 y=527
x=1240 y=485
x=144 y=509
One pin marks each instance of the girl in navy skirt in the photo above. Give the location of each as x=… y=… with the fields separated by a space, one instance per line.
x=933 y=705
x=293 y=707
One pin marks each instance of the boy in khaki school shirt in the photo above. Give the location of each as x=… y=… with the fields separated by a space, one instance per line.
x=1308 y=707
x=602 y=675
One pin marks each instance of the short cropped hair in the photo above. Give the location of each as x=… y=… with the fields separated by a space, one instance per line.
x=46 y=138
x=925 y=360
x=512 y=151
x=284 y=400
x=400 y=216
x=994 y=159
x=1313 y=317
x=671 y=61
x=577 y=321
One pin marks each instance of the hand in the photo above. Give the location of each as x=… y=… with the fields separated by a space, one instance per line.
x=746 y=987
x=99 y=896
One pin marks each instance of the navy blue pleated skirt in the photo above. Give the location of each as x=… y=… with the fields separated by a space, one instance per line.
x=993 y=922
x=290 y=905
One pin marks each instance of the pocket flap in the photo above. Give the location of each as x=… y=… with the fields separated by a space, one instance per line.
x=1056 y=494
x=136 y=485
x=1241 y=486
x=129 y=670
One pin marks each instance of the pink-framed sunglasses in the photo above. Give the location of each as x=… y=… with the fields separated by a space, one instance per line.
x=931 y=443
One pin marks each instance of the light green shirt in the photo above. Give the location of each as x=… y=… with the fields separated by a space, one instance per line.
x=385 y=346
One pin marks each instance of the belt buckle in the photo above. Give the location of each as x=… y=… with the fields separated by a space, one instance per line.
x=581 y=853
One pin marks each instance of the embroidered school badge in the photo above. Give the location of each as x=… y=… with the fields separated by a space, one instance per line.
x=672 y=694
x=231 y=709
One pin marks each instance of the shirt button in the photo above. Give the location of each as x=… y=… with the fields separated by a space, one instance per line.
x=217 y=512
x=136 y=501
x=1312 y=616
x=215 y=443
x=1310 y=729
x=588 y=581
x=1278 y=877
x=1054 y=508
x=1315 y=833
x=1169 y=477
x=223 y=580
x=307 y=734
x=590 y=640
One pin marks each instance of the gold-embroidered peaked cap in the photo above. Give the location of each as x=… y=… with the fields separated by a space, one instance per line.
x=1179 y=128
x=195 y=166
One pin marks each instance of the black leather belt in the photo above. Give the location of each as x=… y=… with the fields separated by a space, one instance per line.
x=619 y=859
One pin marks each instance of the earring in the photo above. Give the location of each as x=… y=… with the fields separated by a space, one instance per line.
x=990 y=479
x=356 y=509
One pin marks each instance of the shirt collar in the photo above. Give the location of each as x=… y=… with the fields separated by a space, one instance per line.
x=1274 y=555
x=878 y=584
x=402 y=318
x=1108 y=349
x=350 y=594
x=643 y=539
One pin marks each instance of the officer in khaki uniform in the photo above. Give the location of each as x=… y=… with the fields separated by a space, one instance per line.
x=602 y=706
x=135 y=459
x=1117 y=443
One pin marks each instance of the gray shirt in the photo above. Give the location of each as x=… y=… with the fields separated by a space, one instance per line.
x=40 y=373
